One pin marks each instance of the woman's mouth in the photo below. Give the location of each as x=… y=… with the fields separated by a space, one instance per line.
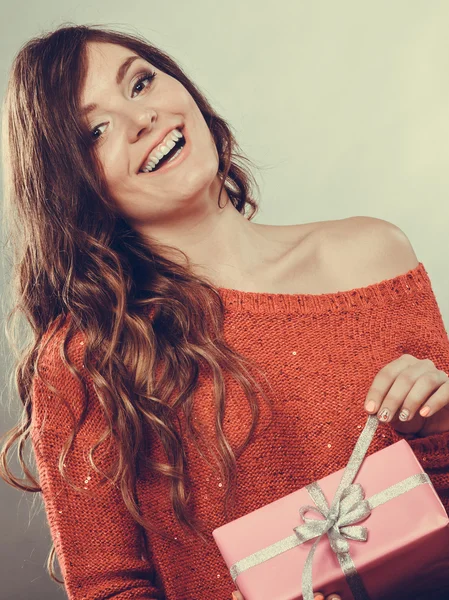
x=171 y=159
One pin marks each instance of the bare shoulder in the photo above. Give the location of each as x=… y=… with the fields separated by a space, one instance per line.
x=361 y=251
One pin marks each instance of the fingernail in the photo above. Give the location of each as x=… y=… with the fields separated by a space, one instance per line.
x=424 y=411
x=403 y=415
x=318 y=597
x=234 y=597
x=370 y=406
x=384 y=414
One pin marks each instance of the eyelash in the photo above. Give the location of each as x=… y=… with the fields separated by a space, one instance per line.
x=150 y=75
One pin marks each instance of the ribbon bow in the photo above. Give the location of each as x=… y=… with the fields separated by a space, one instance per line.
x=350 y=508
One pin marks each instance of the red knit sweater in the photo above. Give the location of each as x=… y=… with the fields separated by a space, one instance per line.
x=320 y=353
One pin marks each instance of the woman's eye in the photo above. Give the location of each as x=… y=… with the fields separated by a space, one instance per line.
x=144 y=76
x=94 y=139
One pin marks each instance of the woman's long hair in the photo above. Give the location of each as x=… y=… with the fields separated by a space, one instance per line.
x=78 y=266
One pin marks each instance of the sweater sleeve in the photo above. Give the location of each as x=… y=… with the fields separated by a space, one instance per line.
x=97 y=542
x=428 y=338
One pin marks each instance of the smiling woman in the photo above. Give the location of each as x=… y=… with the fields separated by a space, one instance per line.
x=177 y=377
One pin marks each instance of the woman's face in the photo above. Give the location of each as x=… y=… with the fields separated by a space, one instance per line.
x=131 y=119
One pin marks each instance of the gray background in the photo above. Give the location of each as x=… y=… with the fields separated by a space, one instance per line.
x=345 y=105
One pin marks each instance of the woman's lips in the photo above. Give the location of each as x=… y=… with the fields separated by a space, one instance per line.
x=181 y=156
x=156 y=146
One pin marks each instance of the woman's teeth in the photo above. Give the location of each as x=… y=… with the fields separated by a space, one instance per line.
x=162 y=150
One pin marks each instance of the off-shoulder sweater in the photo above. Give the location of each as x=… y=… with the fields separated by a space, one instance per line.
x=320 y=354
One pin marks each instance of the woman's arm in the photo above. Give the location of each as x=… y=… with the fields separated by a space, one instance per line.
x=97 y=541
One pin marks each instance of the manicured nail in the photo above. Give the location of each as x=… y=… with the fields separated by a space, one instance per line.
x=403 y=415
x=424 y=411
x=384 y=414
x=318 y=597
x=370 y=406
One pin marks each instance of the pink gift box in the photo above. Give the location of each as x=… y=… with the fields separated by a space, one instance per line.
x=407 y=546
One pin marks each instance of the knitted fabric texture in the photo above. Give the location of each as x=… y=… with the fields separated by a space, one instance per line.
x=320 y=354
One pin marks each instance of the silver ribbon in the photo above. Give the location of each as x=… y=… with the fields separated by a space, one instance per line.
x=349 y=506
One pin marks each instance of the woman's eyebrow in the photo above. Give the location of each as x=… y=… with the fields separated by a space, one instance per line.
x=122 y=70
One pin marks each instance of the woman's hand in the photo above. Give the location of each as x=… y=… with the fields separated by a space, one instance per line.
x=317 y=596
x=406 y=384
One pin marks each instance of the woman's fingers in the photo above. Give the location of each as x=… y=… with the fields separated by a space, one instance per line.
x=237 y=596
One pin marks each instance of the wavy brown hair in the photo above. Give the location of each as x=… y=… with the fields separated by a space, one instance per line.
x=76 y=261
